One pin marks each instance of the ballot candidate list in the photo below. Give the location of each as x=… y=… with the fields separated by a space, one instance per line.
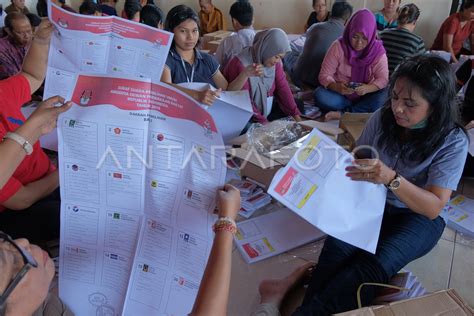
x=138 y=182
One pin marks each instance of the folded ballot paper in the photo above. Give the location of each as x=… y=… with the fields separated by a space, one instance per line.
x=314 y=185
x=252 y=197
x=272 y=234
x=459 y=214
x=231 y=111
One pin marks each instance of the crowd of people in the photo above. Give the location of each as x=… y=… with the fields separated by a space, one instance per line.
x=351 y=61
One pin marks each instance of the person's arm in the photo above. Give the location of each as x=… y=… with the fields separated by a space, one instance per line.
x=41 y=122
x=29 y=194
x=443 y=174
x=207 y=96
x=329 y=67
x=249 y=71
x=36 y=60
x=220 y=80
x=213 y=292
x=428 y=202
x=283 y=92
x=448 y=46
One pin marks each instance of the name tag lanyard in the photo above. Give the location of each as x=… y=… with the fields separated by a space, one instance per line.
x=186 y=72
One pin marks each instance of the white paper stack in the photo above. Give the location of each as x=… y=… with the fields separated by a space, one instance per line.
x=252 y=197
x=406 y=280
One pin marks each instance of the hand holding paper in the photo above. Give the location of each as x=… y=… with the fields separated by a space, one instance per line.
x=370 y=170
x=228 y=201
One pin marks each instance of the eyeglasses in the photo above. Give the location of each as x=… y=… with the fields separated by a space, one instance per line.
x=29 y=262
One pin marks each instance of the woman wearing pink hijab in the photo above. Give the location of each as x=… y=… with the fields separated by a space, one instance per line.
x=354 y=72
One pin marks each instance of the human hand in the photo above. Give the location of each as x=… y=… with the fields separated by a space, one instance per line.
x=370 y=170
x=44 y=118
x=208 y=96
x=44 y=31
x=362 y=89
x=297 y=118
x=470 y=125
x=228 y=201
x=254 y=70
x=341 y=88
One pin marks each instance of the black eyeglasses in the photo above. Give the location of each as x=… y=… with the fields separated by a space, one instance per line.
x=29 y=262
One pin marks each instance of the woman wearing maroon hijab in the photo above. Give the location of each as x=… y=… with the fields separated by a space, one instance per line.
x=354 y=72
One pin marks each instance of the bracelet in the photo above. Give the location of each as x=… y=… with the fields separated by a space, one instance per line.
x=27 y=147
x=227 y=227
x=226 y=219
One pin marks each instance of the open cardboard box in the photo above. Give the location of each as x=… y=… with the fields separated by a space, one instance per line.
x=445 y=302
x=353 y=124
x=262 y=168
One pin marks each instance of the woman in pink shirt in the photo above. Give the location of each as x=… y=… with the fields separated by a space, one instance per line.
x=354 y=72
x=259 y=69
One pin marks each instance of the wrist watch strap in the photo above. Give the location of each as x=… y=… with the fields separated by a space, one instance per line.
x=21 y=141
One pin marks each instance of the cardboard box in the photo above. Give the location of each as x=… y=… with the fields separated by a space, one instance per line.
x=353 y=124
x=445 y=302
x=262 y=168
x=212 y=46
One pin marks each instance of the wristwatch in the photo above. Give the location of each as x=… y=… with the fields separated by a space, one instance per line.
x=21 y=141
x=395 y=183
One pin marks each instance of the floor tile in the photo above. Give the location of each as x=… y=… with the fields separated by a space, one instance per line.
x=449 y=234
x=462 y=274
x=434 y=268
x=245 y=278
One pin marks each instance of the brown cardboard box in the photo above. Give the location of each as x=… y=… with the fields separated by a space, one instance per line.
x=353 y=124
x=445 y=302
x=262 y=168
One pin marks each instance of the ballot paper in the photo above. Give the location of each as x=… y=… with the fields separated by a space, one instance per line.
x=459 y=214
x=272 y=234
x=101 y=45
x=231 y=111
x=48 y=141
x=314 y=185
x=138 y=179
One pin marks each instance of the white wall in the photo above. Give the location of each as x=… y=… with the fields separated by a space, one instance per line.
x=292 y=15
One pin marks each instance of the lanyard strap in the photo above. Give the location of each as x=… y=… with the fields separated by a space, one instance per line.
x=186 y=72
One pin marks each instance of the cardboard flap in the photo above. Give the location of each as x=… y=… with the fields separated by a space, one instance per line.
x=324 y=127
x=253 y=157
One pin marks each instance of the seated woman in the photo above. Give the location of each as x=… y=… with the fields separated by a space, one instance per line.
x=320 y=13
x=259 y=69
x=401 y=42
x=152 y=16
x=387 y=17
x=185 y=63
x=354 y=72
x=421 y=149
x=455 y=30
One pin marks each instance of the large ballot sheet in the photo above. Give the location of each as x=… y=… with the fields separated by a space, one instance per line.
x=101 y=45
x=139 y=167
x=314 y=185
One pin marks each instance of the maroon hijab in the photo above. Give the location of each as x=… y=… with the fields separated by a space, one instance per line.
x=363 y=21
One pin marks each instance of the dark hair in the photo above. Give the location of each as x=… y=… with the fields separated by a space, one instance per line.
x=409 y=13
x=42 y=8
x=436 y=82
x=89 y=8
x=466 y=4
x=131 y=7
x=34 y=19
x=178 y=15
x=242 y=11
x=314 y=2
x=13 y=16
x=151 y=15
x=341 y=10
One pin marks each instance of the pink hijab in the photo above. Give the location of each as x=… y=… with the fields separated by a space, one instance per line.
x=362 y=21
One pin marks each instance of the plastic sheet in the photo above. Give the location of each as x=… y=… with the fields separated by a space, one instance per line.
x=273 y=136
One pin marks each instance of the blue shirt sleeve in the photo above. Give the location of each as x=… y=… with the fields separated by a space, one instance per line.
x=446 y=168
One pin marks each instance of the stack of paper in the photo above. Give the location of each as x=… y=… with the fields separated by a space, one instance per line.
x=271 y=234
x=405 y=280
x=252 y=197
x=459 y=214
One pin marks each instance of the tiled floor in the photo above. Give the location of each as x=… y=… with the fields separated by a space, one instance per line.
x=449 y=265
